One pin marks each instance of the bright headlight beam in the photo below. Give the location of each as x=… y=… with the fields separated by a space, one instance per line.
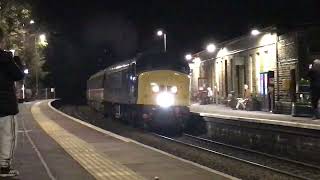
x=165 y=99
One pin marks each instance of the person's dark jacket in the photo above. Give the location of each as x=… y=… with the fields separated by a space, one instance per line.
x=314 y=76
x=10 y=71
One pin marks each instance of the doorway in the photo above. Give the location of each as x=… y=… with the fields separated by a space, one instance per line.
x=240 y=80
x=267 y=90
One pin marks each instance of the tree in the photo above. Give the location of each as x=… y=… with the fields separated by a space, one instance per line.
x=15 y=17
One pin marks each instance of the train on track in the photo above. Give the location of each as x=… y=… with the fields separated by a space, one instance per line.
x=150 y=91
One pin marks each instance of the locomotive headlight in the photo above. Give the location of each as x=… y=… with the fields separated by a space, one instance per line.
x=165 y=99
x=174 y=89
x=155 y=88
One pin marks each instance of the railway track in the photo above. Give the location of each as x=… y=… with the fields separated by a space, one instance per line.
x=294 y=169
x=271 y=163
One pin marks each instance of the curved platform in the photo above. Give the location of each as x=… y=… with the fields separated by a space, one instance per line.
x=223 y=112
x=53 y=145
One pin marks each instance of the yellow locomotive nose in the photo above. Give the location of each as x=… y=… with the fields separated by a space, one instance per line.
x=163 y=88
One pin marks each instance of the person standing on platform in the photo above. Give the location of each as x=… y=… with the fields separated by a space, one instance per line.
x=314 y=75
x=210 y=95
x=10 y=72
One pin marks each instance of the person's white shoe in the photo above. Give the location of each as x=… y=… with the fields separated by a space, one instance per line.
x=8 y=172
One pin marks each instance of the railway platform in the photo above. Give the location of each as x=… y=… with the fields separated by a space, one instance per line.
x=53 y=145
x=212 y=111
x=295 y=138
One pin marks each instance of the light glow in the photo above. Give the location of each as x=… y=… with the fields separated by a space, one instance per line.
x=160 y=33
x=43 y=40
x=32 y=22
x=211 y=48
x=155 y=88
x=174 y=89
x=188 y=57
x=255 y=32
x=165 y=99
x=26 y=71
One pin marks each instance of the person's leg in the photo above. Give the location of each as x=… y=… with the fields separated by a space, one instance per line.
x=8 y=134
x=316 y=104
x=238 y=104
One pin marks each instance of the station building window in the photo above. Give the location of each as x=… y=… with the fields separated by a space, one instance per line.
x=257 y=75
x=251 y=73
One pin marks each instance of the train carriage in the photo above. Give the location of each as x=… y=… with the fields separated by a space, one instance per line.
x=151 y=90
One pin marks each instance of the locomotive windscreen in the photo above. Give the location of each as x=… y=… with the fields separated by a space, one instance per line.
x=163 y=61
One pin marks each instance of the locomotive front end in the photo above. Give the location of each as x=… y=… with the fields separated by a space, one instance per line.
x=164 y=88
x=165 y=96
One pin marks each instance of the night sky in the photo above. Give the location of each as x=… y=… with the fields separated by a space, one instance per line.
x=189 y=24
x=97 y=33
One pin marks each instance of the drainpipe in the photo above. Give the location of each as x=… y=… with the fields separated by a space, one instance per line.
x=277 y=60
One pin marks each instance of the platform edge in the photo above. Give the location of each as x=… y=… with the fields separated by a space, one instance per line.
x=140 y=144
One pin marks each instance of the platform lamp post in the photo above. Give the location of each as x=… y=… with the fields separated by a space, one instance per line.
x=160 y=33
x=26 y=72
x=42 y=40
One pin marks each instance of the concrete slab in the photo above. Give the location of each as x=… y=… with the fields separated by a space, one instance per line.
x=143 y=160
x=37 y=156
x=223 y=112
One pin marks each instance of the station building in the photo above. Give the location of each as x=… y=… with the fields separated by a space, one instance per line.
x=268 y=67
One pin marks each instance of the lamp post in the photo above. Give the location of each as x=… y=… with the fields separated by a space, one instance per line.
x=42 y=41
x=160 y=33
x=26 y=72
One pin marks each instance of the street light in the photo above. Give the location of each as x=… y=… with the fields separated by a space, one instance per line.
x=160 y=33
x=255 y=32
x=32 y=22
x=188 y=57
x=211 y=48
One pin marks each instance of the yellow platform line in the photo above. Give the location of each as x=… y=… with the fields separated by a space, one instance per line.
x=98 y=165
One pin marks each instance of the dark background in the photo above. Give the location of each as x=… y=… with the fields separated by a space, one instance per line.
x=85 y=36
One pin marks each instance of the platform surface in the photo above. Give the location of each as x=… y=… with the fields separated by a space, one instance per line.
x=53 y=146
x=223 y=112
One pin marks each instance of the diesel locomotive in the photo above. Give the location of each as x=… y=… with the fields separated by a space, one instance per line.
x=151 y=91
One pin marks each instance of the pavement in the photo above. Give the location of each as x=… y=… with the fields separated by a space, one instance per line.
x=54 y=146
x=223 y=112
